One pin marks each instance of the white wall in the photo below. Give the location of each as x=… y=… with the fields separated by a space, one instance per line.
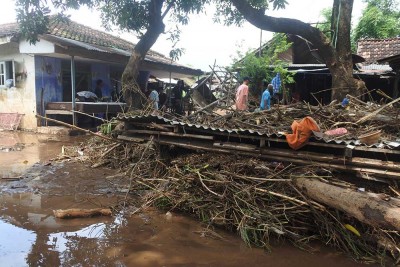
x=22 y=97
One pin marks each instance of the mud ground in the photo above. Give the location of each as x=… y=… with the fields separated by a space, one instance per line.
x=32 y=185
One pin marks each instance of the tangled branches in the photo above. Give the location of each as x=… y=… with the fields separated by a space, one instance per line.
x=256 y=198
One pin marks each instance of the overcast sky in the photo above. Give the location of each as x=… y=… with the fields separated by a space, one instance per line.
x=204 y=41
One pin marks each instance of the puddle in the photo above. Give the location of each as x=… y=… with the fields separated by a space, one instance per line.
x=21 y=150
x=30 y=235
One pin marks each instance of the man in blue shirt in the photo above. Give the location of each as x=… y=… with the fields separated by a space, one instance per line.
x=266 y=97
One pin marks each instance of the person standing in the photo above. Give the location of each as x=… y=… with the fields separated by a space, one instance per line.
x=98 y=90
x=266 y=97
x=177 y=93
x=154 y=98
x=242 y=94
x=276 y=84
x=163 y=98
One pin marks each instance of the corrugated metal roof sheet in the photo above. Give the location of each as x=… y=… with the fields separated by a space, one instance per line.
x=375 y=67
x=159 y=119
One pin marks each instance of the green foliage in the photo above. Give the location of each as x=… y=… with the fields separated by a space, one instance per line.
x=325 y=24
x=380 y=19
x=258 y=68
x=126 y=15
x=265 y=67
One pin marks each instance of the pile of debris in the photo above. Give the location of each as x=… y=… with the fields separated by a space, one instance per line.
x=358 y=118
x=262 y=200
x=162 y=158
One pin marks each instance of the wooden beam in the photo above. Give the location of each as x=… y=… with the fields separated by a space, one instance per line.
x=130 y=139
x=180 y=135
x=77 y=128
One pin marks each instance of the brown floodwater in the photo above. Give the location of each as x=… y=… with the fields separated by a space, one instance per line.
x=31 y=236
x=19 y=151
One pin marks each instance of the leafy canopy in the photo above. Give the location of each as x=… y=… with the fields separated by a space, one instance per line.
x=127 y=15
x=380 y=19
x=325 y=24
x=264 y=67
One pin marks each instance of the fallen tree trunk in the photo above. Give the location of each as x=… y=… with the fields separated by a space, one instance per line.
x=81 y=213
x=377 y=210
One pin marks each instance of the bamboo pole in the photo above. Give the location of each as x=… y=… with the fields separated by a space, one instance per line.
x=77 y=128
x=372 y=114
x=91 y=116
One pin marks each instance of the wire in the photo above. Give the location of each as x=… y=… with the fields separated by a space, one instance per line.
x=337 y=23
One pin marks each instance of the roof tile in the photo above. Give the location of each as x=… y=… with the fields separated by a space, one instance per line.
x=77 y=32
x=374 y=49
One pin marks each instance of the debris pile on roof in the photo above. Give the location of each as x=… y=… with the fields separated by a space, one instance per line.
x=357 y=117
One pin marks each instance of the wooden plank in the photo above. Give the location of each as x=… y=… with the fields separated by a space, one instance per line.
x=180 y=135
x=152 y=125
x=274 y=157
x=204 y=137
x=327 y=158
x=316 y=144
x=130 y=139
x=88 y=107
x=236 y=146
x=58 y=112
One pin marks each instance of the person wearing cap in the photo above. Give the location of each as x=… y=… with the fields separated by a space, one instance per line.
x=242 y=94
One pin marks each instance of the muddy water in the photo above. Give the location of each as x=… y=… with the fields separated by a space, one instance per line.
x=31 y=236
x=21 y=150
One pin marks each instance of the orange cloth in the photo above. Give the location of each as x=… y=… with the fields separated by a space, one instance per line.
x=241 y=97
x=302 y=130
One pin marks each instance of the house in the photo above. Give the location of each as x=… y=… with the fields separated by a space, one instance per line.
x=383 y=56
x=313 y=80
x=394 y=63
x=312 y=77
x=378 y=75
x=69 y=57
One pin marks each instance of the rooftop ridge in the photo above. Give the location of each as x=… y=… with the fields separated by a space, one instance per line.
x=79 y=32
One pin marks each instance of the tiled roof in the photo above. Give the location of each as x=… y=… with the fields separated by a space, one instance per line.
x=91 y=39
x=78 y=32
x=374 y=49
x=9 y=29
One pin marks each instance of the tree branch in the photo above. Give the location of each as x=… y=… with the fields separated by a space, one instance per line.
x=170 y=5
x=287 y=25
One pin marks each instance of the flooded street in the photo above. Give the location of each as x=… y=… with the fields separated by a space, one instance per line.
x=31 y=236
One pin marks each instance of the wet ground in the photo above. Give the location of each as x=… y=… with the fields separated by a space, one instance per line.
x=31 y=236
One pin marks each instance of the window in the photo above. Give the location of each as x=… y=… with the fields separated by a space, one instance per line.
x=2 y=73
x=7 y=71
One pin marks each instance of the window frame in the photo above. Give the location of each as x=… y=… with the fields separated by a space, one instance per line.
x=8 y=72
x=3 y=73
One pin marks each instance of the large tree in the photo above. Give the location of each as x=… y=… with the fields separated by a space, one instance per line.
x=145 y=18
x=336 y=53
